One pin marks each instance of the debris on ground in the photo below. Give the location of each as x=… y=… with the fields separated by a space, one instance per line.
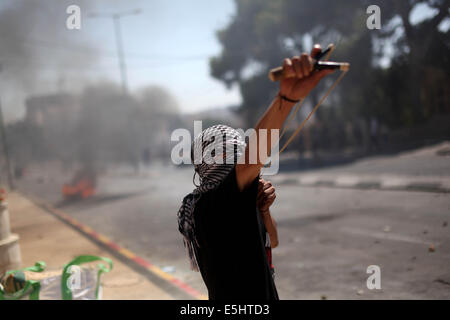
x=168 y=269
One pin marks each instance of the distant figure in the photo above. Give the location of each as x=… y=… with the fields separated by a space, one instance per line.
x=374 y=131
x=146 y=156
x=224 y=224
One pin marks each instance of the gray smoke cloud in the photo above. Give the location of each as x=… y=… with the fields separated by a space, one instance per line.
x=38 y=54
x=77 y=114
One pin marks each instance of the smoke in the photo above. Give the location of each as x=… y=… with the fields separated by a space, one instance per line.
x=38 y=54
x=82 y=120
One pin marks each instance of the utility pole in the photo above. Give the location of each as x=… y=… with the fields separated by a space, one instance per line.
x=5 y=147
x=119 y=43
x=120 y=53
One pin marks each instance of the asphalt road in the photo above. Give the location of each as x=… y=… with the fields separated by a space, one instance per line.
x=328 y=236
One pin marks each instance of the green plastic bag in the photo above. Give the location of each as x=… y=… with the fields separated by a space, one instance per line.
x=73 y=283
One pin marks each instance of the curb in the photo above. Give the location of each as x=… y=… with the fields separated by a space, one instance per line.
x=351 y=182
x=127 y=256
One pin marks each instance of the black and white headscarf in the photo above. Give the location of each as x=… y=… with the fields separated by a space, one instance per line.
x=215 y=152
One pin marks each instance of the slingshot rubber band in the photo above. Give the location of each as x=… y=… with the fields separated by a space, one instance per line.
x=300 y=127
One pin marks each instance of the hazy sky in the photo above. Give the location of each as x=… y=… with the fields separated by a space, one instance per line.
x=169 y=44
x=172 y=42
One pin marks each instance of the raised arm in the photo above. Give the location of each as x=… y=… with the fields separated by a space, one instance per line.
x=294 y=88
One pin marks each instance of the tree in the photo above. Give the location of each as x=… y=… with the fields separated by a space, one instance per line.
x=263 y=32
x=423 y=53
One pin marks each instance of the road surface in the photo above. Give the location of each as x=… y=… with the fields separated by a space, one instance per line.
x=328 y=236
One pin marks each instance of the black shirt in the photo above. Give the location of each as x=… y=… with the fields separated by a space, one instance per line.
x=232 y=257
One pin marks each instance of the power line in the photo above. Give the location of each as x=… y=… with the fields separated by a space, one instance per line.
x=96 y=66
x=87 y=50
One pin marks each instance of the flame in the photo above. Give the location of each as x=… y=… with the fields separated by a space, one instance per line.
x=83 y=187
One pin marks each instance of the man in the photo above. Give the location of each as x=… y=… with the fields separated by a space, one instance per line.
x=224 y=232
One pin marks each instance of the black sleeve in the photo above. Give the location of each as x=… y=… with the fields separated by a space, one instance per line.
x=225 y=209
x=229 y=192
x=232 y=256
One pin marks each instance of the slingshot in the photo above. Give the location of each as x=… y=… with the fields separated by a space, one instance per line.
x=276 y=74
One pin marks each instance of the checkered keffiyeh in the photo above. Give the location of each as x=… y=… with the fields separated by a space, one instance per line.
x=215 y=152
